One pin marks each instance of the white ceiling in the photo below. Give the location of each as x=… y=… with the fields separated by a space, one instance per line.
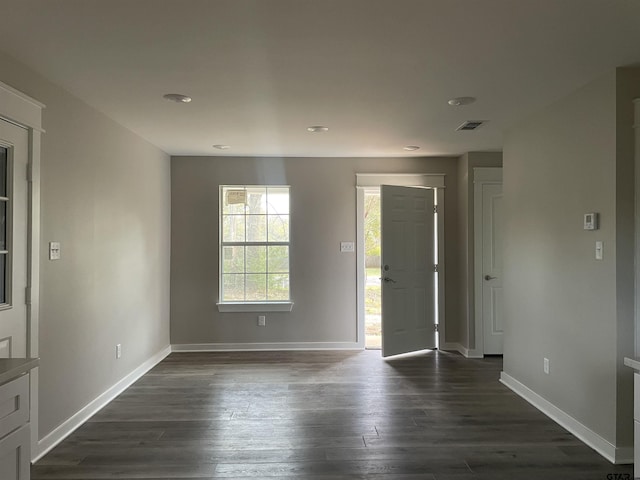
x=378 y=73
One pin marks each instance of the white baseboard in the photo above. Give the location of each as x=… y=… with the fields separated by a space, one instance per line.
x=450 y=346
x=70 y=425
x=473 y=353
x=467 y=352
x=617 y=455
x=254 y=347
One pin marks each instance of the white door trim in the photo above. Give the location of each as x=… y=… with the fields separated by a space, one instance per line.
x=636 y=127
x=433 y=180
x=24 y=111
x=481 y=176
x=430 y=180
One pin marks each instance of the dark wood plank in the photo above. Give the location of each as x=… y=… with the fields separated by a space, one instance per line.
x=321 y=416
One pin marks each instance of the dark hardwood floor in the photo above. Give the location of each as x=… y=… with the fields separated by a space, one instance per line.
x=322 y=416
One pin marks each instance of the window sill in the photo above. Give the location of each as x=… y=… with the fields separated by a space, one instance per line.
x=255 y=307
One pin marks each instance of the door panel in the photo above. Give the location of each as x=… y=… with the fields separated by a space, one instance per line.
x=13 y=250
x=408 y=287
x=492 y=207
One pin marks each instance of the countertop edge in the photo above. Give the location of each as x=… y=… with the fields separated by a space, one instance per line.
x=11 y=368
x=632 y=362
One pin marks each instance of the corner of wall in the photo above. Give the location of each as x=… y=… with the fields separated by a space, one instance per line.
x=558 y=165
x=70 y=425
x=627 y=89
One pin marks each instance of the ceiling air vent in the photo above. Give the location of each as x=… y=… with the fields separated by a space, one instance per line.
x=471 y=125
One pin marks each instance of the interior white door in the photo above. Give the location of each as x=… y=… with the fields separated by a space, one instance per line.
x=492 y=227
x=13 y=240
x=408 y=278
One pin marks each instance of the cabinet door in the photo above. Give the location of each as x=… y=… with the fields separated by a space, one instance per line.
x=14 y=455
x=636 y=449
x=636 y=396
x=14 y=405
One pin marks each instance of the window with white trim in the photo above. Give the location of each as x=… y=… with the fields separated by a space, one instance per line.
x=5 y=229
x=254 y=244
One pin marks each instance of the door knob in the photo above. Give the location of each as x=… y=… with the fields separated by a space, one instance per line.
x=488 y=277
x=387 y=279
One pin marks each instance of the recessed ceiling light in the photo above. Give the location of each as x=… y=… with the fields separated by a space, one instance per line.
x=177 y=97
x=318 y=128
x=222 y=147
x=411 y=148
x=460 y=101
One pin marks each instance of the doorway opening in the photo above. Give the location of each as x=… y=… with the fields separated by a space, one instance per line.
x=423 y=313
x=373 y=272
x=372 y=263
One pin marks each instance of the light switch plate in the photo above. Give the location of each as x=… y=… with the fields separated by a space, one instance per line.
x=347 y=247
x=54 y=250
x=599 y=250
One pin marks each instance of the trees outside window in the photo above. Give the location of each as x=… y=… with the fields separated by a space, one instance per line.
x=254 y=233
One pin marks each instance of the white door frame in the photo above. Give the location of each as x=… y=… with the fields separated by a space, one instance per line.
x=481 y=176
x=25 y=112
x=369 y=180
x=636 y=127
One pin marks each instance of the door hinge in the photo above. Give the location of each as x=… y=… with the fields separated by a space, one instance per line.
x=27 y=295
x=435 y=267
x=435 y=209
x=29 y=172
x=435 y=327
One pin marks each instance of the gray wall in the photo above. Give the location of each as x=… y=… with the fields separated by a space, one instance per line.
x=466 y=163
x=105 y=195
x=323 y=203
x=560 y=303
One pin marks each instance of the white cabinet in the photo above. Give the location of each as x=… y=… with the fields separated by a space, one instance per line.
x=636 y=449
x=635 y=364
x=14 y=455
x=15 y=439
x=636 y=425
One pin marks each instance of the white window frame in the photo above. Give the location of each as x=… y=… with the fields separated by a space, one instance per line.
x=250 y=306
x=8 y=247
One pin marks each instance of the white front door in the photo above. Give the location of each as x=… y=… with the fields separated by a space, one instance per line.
x=492 y=227
x=13 y=240
x=408 y=278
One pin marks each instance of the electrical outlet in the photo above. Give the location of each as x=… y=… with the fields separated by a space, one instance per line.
x=546 y=366
x=262 y=321
x=119 y=350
